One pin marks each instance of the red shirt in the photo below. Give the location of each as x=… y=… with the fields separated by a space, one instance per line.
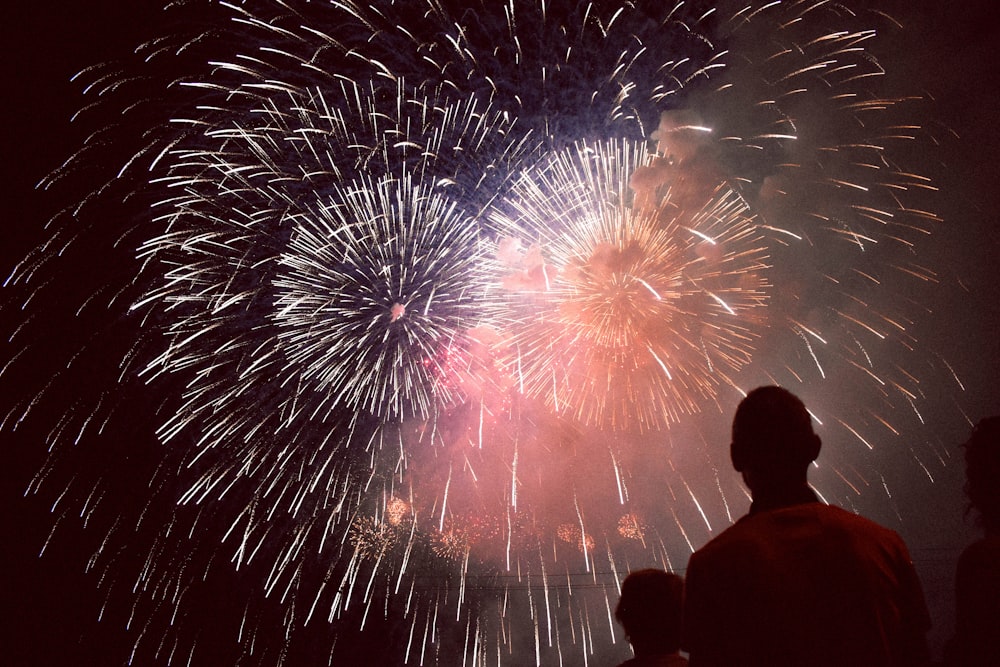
x=805 y=585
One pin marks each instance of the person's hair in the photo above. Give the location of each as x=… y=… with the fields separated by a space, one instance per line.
x=772 y=431
x=649 y=610
x=982 y=472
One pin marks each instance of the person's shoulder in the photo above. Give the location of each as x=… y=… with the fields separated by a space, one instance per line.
x=864 y=529
x=989 y=544
x=982 y=551
x=834 y=513
x=725 y=540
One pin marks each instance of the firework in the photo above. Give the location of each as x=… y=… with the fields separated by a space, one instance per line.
x=437 y=305
x=631 y=526
x=638 y=309
x=371 y=538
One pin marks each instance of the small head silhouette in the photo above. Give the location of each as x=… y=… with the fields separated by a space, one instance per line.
x=982 y=472
x=650 y=611
x=773 y=434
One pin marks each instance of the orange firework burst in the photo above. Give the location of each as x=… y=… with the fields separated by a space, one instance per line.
x=451 y=543
x=396 y=510
x=643 y=294
x=371 y=537
x=631 y=527
x=571 y=534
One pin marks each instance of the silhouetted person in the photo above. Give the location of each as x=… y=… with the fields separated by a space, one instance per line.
x=977 y=577
x=650 y=613
x=797 y=582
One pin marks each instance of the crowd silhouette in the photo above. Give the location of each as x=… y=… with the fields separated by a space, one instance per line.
x=977 y=576
x=800 y=583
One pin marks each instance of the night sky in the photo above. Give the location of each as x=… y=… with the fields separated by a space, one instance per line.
x=51 y=608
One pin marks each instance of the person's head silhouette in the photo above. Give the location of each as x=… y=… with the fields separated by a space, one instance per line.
x=982 y=472
x=650 y=611
x=773 y=440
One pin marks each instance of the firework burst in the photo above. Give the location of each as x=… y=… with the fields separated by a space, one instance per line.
x=635 y=309
x=430 y=298
x=376 y=297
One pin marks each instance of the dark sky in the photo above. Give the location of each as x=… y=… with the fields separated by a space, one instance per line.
x=948 y=50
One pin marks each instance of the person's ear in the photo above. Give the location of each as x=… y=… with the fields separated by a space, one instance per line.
x=813 y=447
x=739 y=455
